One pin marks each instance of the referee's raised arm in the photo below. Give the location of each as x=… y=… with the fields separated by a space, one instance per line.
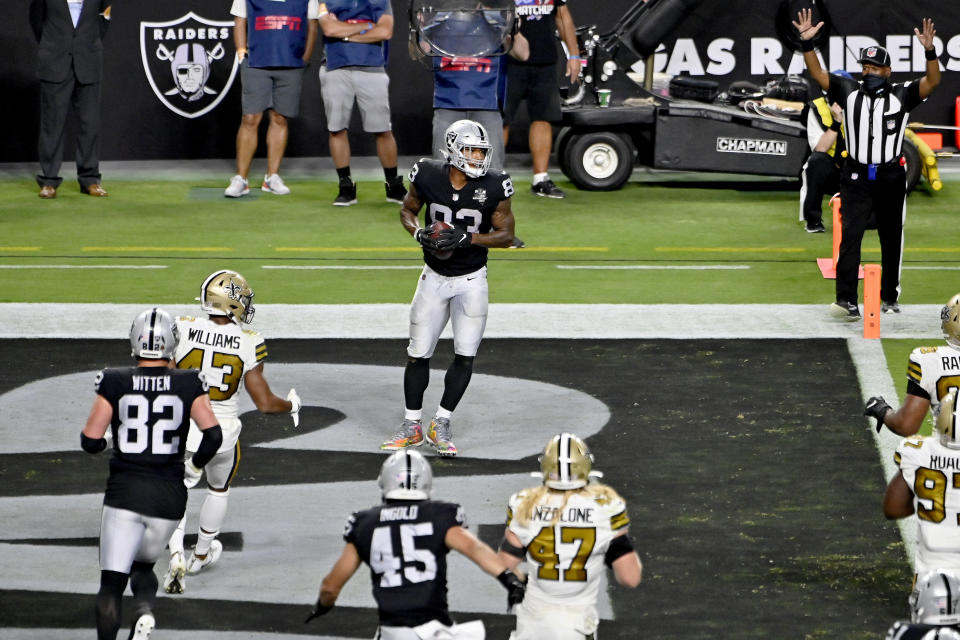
x=931 y=79
x=804 y=25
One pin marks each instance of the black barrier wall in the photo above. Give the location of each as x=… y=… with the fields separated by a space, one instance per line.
x=146 y=117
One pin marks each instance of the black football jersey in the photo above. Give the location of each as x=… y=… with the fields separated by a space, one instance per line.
x=471 y=208
x=151 y=418
x=403 y=543
x=908 y=631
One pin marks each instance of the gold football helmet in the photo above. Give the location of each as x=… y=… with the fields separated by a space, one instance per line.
x=566 y=463
x=226 y=293
x=946 y=423
x=950 y=321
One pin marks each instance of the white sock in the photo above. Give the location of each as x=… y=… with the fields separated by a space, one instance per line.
x=212 y=514
x=540 y=177
x=176 y=540
x=413 y=414
x=443 y=413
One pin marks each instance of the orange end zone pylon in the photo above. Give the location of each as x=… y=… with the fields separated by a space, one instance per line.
x=828 y=266
x=871 y=301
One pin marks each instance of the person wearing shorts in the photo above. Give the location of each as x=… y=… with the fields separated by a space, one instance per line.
x=534 y=81
x=271 y=62
x=356 y=37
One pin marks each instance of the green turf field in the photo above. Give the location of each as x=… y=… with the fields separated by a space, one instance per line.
x=746 y=232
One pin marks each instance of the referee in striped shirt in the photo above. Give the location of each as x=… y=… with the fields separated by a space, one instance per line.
x=873 y=179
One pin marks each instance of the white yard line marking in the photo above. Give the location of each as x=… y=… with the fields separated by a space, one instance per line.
x=875 y=380
x=657 y=267
x=83 y=266
x=340 y=267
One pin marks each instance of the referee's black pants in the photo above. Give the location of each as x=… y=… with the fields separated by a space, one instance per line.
x=885 y=197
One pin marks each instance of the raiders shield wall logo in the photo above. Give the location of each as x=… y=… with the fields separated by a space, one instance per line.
x=190 y=62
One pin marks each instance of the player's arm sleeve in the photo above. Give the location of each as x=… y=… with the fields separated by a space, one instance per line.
x=619 y=546
x=209 y=445
x=915 y=376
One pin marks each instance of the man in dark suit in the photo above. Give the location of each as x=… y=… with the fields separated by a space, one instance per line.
x=70 y=34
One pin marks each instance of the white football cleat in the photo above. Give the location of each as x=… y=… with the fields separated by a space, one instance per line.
x=174 y=581
x=196 y=564
x=143 y=627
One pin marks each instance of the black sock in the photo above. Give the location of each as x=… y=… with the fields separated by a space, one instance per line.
x=416 y=377
x=112 y=584
x=455 y=381
x=390 y=173
x=344 y=173
x=143 y=583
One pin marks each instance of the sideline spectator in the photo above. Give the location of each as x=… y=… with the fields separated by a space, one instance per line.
x=924 y=486
x=873 y=181
x=926 y=368
x=410 y=580
x=821 y=172
x=356 y=37
x=69 y=59
x=274 y=42
x=567 y=529
x=474 y=201
x=534 y=81
x=145 y=493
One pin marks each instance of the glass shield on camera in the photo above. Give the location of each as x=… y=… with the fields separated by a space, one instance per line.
x=460 y=28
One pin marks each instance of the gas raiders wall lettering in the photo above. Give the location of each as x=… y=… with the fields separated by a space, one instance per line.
x=751 y=145
x=190 y=62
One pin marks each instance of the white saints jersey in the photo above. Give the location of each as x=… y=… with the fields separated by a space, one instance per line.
x=935 y=370
x=567 y=557
x=932 y=471
x=224 y=352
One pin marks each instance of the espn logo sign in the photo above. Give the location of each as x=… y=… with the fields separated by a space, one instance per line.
x=752 y=145
x=266 y=23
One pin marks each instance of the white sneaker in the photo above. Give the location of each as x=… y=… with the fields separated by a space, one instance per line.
x=238 y=187
x=196 y=564
x=173 y=582
x=143 y=627
x=273 y=183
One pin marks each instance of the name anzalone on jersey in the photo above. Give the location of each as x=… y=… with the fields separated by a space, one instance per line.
x=470 y=208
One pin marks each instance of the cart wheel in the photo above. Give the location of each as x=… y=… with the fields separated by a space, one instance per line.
x=560 y=148
x=599 y=161
x=913 y=165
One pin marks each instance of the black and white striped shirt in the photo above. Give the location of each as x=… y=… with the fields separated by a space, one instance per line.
x=874 y=125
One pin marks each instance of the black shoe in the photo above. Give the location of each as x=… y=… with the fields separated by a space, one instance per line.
x=815 y=227
x=547 y=189
x=347 y=194
x=395 y=190
x=890 y=307
x=845 y=310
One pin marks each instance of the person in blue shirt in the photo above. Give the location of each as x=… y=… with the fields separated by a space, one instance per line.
x=274 y=41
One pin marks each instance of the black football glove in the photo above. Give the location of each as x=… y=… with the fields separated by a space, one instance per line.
x=422 y=236
x=876 y=407
x=318 y=610
x=515 y=588
x=454 y=238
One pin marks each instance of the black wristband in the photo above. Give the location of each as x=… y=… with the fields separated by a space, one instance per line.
x=806 y=45
x=930 y=54
x=835 y=126
x=92 y=445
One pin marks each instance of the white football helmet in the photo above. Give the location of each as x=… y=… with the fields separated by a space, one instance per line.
x=937 y=599
x=461 y=138
x=226 y=293
x=154 y=335
x=950 y=321
x=406 y=475
x=566 y=463
x=946 y=424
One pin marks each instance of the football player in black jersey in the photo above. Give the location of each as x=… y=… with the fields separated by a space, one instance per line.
x=474 y=202
x=405 y=542
x=934 y=610
x=147 y=409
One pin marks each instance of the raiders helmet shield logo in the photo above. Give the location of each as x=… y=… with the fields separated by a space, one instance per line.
x=190 y=62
